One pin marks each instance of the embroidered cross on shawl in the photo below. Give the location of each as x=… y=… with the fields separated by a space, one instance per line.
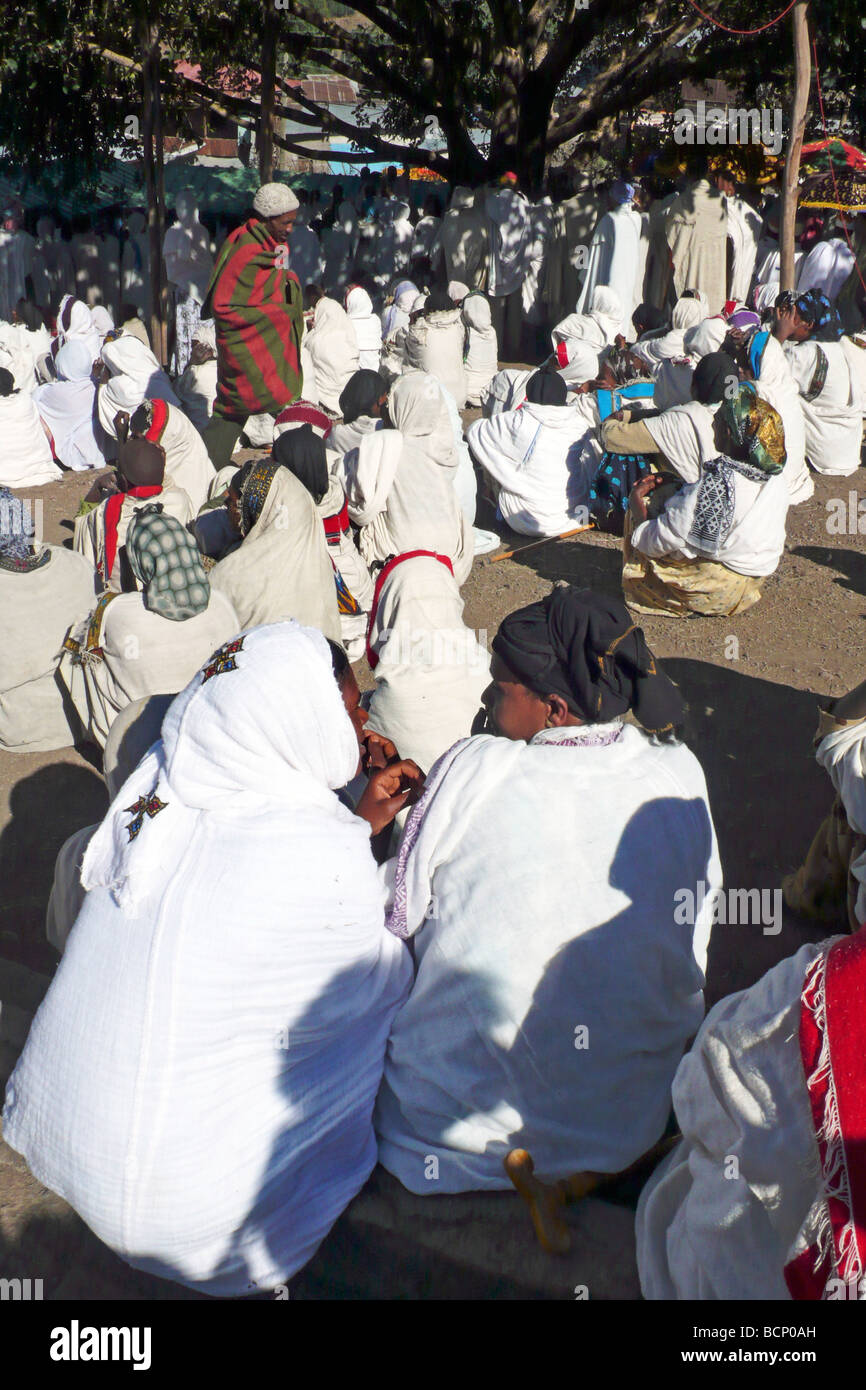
x=223 y=659
x=144 y=806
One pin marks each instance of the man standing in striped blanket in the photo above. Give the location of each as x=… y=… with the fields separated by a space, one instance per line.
x=257 y=304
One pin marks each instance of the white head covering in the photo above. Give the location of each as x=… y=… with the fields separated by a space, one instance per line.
x=766 y=296
x=707 y=337
x=606 y=308
x=274 y=199
x=102 y=320
x=73 y=361
x=205 y=333
x=688 y=313
x=457 y=291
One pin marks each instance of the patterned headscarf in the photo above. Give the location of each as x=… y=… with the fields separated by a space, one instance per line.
x=816 y=309
x=756 y=428
x=255 y=492
x=16 y=533
x=167 y=565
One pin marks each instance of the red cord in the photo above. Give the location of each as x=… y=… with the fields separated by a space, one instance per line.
x=760 y=29
x=832 y=166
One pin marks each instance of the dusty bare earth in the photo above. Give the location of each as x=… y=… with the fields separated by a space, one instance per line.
x=752 y=713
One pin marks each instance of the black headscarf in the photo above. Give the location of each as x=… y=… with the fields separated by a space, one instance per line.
x=546 y=388
x=7 y=382
x=361 y=394
x=816 y=309
x=584 y=646
x=437 y=301
x=302 y=451
x=711 y=376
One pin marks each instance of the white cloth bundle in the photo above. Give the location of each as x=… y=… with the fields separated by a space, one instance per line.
x=200 y=1078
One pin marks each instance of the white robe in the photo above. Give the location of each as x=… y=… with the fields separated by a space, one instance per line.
x=834 y=416
x=367 y=326
x=37 y=609
x=826 y=268
x=431 y=669
x=614 y=261
x=755 y=542
x=776 y=384
x=744 y=228
x=509 y=218
x=538 y=889
x=684 y=434
x=241 y=1130
x=535 y=454
x=25 y=454
x=482 y=350
x=434 y=344
x=329 y=355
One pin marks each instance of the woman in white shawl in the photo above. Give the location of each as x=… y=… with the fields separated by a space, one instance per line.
x=597 y=328
x=822 y=364
x=396 y=315
x=430 y=669
x=773 y=379
x=465 y=239
x=25 y=460
x=688 y=312
x=216 y=1029
x=367 y=326
x=434 y=343
x=67 y=409
x=563 y=1037
x=339 y=244
x=764 y=1197
x=329 y=354
x=134 y=375
x=395 y=244
x=44 y=590
x=74 y=320
x=362 y=401
x=148 y=641
x=282 y=568
x=481 y=361
x=400 y=482
x=535 y=456
x=187 y=461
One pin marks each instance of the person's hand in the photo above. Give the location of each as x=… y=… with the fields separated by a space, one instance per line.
x=388 y=791
x=737 y=336
x=102 y=488
x=639 y=494
x=379 y=751
x=785 y=321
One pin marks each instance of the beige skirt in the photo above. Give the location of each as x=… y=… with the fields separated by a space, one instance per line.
x=679 y=588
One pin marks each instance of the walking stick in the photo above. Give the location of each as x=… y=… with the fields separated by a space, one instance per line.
x=545 y=540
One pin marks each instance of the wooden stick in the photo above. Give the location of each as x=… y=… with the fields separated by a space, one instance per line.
x=545 y=540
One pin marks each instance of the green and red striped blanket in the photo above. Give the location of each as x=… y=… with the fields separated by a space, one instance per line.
x=257 y=304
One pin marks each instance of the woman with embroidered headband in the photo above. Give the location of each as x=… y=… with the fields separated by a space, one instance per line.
x=536 y=879
x=199 y=1081
x=281 y=569
x=822 y=362
x=707 y=547
x=149 y=639
x=44 y=590
x=765 y=1195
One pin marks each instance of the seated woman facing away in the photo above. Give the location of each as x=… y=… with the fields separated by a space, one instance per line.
x=536 y=459
x=26 y=459
x=149 y=639
x=554 y=990
x=765 y=1195
x=199 y=1080
x=822 y=363
x=109 y=506
x=44 y=590
x=716 y=539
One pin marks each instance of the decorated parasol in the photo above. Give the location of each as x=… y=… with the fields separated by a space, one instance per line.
x=823 y=156
x=841 y=192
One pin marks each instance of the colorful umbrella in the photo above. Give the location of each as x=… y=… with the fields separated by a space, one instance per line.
x=844 y=192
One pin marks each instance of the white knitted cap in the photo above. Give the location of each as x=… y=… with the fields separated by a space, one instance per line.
x=273 y=199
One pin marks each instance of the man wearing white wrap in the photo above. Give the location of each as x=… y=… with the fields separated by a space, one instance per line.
x=614 y=259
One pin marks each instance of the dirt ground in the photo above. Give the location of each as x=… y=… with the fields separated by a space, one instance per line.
x=751 y=717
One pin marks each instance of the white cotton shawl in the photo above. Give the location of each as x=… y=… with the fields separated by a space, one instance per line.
x=25 y=454
x=709 y=1228
x=536 y=455
x=505 y=391
x=367 y=326
x=81 y=326
x=842 y=754
x=187 y=461
x=200 y=1079
x=482 y=349
x=684 y=435
x=66 y=406
x=673 y=381
x=329 y=355
x=431 y=670
x=598 y=327
x=615 y=264
x=591 y=831
x=434 y=344
x=706 y=337
x=776 y=384
x=510 y=230
x=421 y=510
x=834 y=418
x=196 y=390
x=282 y=569
x=396 y=316
x=687 y=313
x=135 y=376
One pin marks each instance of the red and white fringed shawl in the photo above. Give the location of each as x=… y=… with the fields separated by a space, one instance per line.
x=833 y=1049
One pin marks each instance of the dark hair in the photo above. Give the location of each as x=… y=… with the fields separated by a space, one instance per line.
x=7 y=382
x=339 y=659
x=30 y=315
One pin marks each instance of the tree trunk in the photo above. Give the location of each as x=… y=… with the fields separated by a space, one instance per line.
x=151 y=129
x=270 y=30
x=799 y=109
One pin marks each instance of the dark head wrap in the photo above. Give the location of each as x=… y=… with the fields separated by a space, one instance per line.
x=712 y=376
x=650 y=319
x=141 y=463
x=7 y=382
x=302 y=451
x=816 y=309
x=238 y=479
x=755 y=429
x=546 y=388
x=361 y=394
x=437 y=300
x=584 y=646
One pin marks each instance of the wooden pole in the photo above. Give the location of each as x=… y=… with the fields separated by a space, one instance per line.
x=151 y=126
x=799 y=110
x=270 y=29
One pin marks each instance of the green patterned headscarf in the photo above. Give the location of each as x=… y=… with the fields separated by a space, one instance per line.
x=756 y=428
x=167 y=565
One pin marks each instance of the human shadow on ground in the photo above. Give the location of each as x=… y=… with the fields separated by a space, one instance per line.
x=851 y=564
x=46 y=807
